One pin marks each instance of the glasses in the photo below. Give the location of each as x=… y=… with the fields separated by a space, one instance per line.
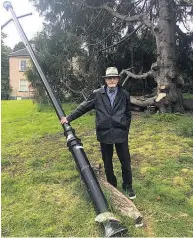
x=112 y=78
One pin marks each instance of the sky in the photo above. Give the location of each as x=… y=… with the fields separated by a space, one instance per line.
x=30 y=24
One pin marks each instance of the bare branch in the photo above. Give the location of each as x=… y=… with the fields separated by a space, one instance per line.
x=140 y=17
x=116 y=14
x=185 y=3
x=143 y=6
x=125 y=38
x=183 y=35
x=75 y=91
x=91 y=23
x=141 y=41
x=125 y=80
x=148 y=23
x=123 y=17
x=136 y=76
x=142 y=102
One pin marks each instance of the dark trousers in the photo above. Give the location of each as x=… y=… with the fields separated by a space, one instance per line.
x=124 y=157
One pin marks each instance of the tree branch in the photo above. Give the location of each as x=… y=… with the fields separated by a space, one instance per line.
x=119 y=201
x=136 y=76
x=148 y=23
x=75 y=91
x=183 y=35
x=125 y=38
x=116 y=14
x=140 y=17
x=123 y=17
x=146 y=102
x=185 y=3
x=142 y=102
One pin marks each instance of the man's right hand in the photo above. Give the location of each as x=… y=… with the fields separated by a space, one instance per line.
x=63 y=120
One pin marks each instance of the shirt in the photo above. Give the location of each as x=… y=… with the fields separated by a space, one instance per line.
x=112 y=94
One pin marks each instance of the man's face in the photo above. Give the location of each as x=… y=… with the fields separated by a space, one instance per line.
x=112 y=81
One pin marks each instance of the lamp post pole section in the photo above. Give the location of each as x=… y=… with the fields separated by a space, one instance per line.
x=112 y=225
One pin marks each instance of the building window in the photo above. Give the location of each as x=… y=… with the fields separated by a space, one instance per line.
x=22 y=65
x=23 y=85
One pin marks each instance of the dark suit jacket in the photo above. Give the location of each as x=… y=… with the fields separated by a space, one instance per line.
x=112 y=123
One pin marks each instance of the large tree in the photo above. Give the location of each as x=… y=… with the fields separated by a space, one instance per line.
x=5 y=51
x=161 y=18
x=109 y=30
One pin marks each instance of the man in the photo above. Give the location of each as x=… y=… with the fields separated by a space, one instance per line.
x=113 y=117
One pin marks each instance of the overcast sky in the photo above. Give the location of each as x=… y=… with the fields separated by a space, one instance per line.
x=31 y=24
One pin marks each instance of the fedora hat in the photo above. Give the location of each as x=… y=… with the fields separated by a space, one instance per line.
x=111 y=72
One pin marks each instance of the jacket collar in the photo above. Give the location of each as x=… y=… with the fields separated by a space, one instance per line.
x=104 y=87
x=106 y=99
x=117 y=98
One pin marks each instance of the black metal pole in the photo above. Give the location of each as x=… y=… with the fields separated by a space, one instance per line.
x=112 y=225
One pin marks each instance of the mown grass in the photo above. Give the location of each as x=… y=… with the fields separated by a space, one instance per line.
x=43 y=195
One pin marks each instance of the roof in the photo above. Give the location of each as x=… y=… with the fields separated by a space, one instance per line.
x=22 y=52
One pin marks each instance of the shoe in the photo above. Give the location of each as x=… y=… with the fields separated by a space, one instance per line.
x=129 y=191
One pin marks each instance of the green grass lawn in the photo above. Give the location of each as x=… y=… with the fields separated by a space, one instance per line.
x=43 y=195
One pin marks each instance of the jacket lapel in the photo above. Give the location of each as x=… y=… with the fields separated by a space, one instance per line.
x=117 y=98
x=106 y=100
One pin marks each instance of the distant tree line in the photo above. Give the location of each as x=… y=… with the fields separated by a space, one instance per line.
x=5 y=51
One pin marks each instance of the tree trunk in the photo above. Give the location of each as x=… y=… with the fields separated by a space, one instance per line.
x=168 y=78
x=121 y=203
x=166 y=73
x=118 y=200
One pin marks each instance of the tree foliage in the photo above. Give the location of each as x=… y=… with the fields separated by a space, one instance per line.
x=103 y=33
x=55 y=51
x=5 y=51
x=18 y=46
